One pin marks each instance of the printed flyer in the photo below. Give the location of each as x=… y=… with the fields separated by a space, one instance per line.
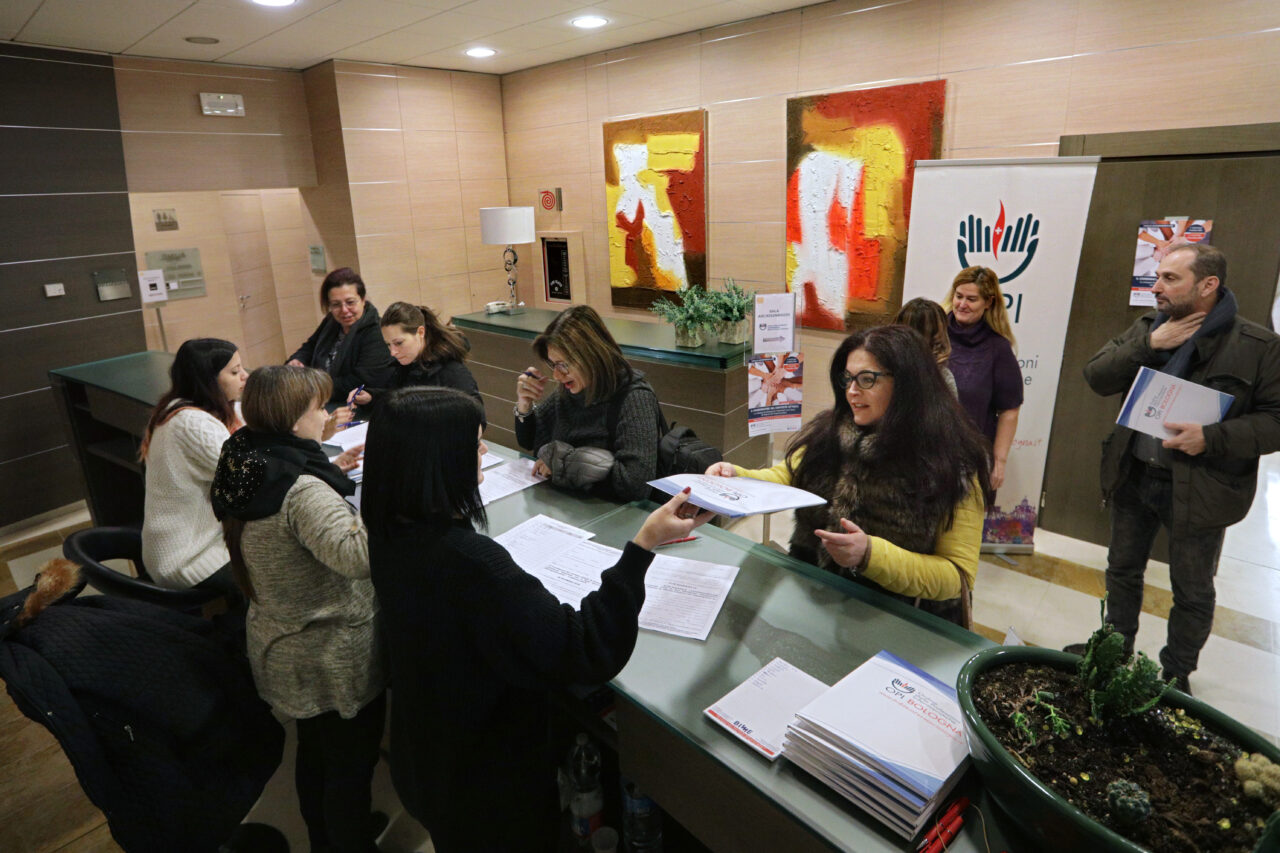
x=775 y=391
x=1156 y=238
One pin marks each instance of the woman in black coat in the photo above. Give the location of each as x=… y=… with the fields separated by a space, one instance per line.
x=475 y=643
x=426 y=351
x=348 y=343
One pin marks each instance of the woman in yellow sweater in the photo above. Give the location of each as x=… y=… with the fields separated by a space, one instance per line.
x=903 y=472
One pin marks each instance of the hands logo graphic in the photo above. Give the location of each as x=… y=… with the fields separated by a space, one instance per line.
x=1017 y=243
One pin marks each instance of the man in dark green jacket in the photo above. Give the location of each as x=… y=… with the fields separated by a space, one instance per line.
x=1201 y=479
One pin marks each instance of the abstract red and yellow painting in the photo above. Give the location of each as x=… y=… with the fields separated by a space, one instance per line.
x=655 y=205
x=850 y=163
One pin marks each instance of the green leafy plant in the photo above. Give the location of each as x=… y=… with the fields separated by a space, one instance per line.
x=1058 y=724
x=1118 y=684
x=1022 y=725
x=693 y=310
x=731 y=304
x=1130 y=805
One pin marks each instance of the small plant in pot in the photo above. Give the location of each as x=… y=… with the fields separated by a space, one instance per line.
x=1096 y=753
x=732 y=308
x=690 y=316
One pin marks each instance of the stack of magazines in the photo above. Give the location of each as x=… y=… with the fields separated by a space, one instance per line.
x=888 y=737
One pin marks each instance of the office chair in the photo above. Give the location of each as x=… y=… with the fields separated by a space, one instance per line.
x=90 y=547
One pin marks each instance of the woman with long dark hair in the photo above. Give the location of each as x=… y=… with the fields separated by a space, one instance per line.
x=476 y=644
x=598 y=429
x=347 y=344
x=181 y=540
x=427 y=353
x=903 y=472
x=300 y=553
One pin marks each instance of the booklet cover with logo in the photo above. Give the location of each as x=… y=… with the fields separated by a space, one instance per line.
x=1157 y=398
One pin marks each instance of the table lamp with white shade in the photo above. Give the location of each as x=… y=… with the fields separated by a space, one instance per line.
x=507 y=226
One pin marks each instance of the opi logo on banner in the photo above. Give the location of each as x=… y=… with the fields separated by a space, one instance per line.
x=1007 y=249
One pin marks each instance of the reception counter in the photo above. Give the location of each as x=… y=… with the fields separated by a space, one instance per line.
x=704 y=388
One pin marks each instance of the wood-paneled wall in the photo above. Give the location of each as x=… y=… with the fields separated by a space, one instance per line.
x=410 y=155
x=1020 y=73
x=65 y=214
x=169 y=145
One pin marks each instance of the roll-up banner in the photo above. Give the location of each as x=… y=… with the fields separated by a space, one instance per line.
x=1024 y=219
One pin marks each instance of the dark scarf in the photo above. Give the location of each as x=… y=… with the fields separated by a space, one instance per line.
x=1219 y=319
x=876 y=496
x=970 y=336
x=257 y=469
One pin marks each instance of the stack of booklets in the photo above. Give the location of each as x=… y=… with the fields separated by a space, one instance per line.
x=888 y=737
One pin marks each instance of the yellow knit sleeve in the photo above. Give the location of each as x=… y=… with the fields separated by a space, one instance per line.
x=933 y=576
x=781 y=473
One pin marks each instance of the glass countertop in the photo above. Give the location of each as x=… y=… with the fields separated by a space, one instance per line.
x=141 y=376
x=821 y=623
x=651 y=341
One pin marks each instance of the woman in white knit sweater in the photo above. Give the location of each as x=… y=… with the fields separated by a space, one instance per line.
x=182 y=542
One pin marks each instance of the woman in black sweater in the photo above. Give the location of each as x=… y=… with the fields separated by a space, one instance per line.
x=475 y=643
x=426 y=351
x=346 y=345
x=598 y=430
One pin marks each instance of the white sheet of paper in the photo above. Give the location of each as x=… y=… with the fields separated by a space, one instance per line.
x=684 y=597
x=575 y=573
x=736 y=496
x=533 y=543
x=1155 y=398
x=351 y=436
x=490 y=459
x=757 y=710
x=507 y=479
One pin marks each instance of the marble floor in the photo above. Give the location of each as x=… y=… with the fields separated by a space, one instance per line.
x=1048 y=598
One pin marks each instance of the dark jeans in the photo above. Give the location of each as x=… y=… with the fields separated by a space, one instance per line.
x=336 y=759
x=1141 y=504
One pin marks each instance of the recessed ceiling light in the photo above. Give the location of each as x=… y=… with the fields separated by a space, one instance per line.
x=275 y=2
x=201 y=40
x=481 y=52
x=589 y=22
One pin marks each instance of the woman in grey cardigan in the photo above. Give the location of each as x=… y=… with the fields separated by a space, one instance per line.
x=300 y=553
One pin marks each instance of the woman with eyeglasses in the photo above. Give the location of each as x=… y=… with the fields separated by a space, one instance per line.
x=348 y=343
x=982 y=359
x=597 y=430
x=903 y=472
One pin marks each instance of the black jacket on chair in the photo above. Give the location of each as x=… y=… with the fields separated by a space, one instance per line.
x=362 y=359
x=159 y=718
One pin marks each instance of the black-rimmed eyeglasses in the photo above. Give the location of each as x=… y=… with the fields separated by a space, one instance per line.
x=866 y=379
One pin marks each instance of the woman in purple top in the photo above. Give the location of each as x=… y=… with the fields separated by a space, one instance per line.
x=982 y=360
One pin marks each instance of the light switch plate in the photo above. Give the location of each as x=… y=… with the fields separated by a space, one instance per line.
x=55 y=289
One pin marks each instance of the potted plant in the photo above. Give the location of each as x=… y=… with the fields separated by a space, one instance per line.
x=691 y=315
x=1096 y=753
x=732 y=307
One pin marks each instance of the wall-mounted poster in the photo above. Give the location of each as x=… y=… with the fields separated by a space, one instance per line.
x=775 y=392
x=555 y=269
x=655 y=205
x=850 y=163
x=1156 y=238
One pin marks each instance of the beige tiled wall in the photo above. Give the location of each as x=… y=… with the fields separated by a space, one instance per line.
x=410 y=155
x=1020 y=73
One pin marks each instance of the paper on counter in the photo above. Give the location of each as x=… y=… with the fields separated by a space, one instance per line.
x=507 y=479
x=682 y=597
x=736 y=496
x=490 y=459
x=351 y=436
x=757 y=710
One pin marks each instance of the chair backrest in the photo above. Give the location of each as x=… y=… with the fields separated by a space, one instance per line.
x=89 y=549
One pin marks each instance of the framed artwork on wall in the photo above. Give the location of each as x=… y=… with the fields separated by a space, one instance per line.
x=850 y=163
x=655 y=206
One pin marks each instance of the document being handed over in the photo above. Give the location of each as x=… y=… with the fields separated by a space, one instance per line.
x=682 y=597
x=736 y=496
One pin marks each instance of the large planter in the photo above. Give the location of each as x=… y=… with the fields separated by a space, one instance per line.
x=1042 y=813
x=690 y=336
x=734 y=331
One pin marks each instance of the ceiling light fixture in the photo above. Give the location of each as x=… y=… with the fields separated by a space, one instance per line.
x=275 y=2
x=202 y=39
x=589 y=22
x=481 y=52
